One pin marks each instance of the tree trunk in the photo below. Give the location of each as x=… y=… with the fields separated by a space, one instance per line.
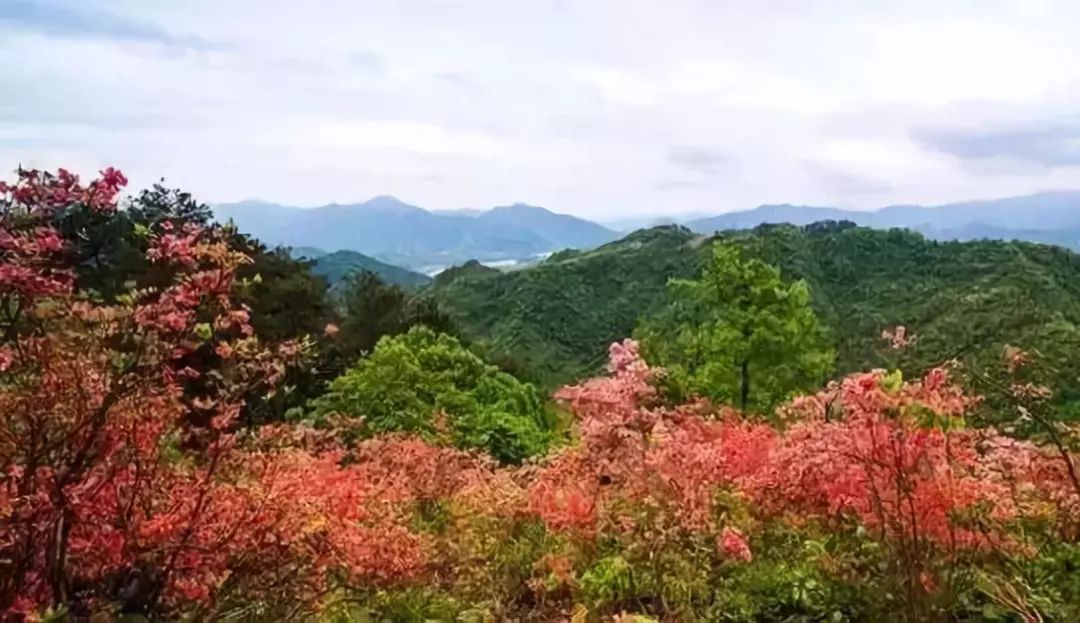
x=56 y=559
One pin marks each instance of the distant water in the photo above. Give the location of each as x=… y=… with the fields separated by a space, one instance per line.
x=506 y=264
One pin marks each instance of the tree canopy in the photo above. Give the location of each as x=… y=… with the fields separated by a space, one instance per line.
x=427 y=383
x=965 y=300
x=738 y=335
x=373 y=308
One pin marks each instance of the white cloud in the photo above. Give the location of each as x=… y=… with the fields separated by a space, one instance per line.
x=417 y=138
x=599 y=108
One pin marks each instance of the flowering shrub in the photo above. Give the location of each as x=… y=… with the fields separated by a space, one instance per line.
x=128 y=487
x=119 y=490
x=870 y=452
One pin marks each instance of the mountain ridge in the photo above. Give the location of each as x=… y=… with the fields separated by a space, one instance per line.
x=399 y=233
x=337 y=266
x=1047 y=217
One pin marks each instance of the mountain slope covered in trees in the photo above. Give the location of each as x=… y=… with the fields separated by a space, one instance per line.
x=966 y=301
x=337 y=266
x=555 y=320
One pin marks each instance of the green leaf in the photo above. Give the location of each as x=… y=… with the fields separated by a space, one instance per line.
x=204 y=331
x=893 y=381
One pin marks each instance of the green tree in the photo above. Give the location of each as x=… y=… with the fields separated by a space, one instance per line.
x=287 y=302
x=374 y=308
x=108 y=248
x=427 y=383
x=738 y=335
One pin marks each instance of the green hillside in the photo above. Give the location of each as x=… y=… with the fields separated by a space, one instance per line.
x=965 y=300
x=472 y=269
x=556 y=319
x=338 y=265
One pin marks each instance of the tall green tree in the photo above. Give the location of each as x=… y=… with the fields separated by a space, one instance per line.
x=739 y=335
x=374 y=308
x=427 y=383
x=286 y=300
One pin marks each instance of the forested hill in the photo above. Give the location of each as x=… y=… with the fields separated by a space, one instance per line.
x=556 y=319
x=964 y=300
x=337 y=266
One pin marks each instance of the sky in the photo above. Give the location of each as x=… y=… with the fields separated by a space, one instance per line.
x=600 y=108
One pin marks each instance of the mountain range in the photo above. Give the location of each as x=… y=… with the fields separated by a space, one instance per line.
x=1051 y=217
x=393 y=231
x=401 y=234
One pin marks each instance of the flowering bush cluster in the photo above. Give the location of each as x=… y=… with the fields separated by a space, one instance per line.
x=655 y=507
x=127 y=484
x=869 y=453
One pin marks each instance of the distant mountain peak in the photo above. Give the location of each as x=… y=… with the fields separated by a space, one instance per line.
x=389 y=202
x=384 y=200
x=521 y=207
x=390 y=229
x=381 y=204
x=338 y=265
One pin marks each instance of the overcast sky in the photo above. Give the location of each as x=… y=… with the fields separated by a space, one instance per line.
x=595 y=107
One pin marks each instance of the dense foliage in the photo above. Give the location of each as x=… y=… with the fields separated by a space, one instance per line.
x=555 y=320
x=108 y=252
x=428 y=384
x=373 y=308
x=875 y=502
x=738 y=335
x=121 y=492
x=131 y=485
x=338 y=266
x=967 y=300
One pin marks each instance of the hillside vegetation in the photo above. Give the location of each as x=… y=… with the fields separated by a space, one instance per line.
x=555 y=320
x=192 y=429
x=965 y=300
x=339 y=265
